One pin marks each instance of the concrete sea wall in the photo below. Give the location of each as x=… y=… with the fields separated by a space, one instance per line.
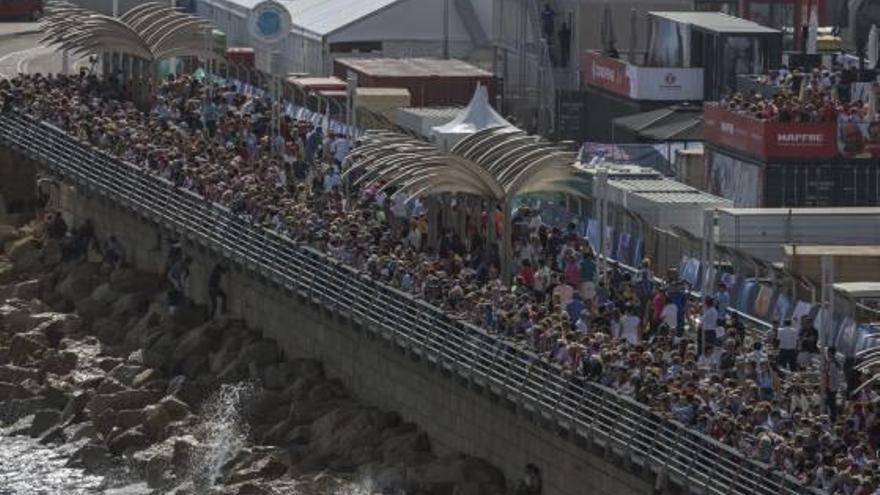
x=456 y=415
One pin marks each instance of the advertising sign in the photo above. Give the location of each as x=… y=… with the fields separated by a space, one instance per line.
x=768 y=139
x=642 y=83
x=269 y=22
x=666 y=83
x=734 y=179
x=607 y=73
x=859 y=140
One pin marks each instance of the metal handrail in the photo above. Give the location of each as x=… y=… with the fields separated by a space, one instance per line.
x=522 y=377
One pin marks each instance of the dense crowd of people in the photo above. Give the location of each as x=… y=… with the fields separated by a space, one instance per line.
x=775 y=396
x=819 y=95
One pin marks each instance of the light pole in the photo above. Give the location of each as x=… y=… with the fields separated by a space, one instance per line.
x=602 y=193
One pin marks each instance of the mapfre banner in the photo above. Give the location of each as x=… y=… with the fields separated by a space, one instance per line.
x=769 y=139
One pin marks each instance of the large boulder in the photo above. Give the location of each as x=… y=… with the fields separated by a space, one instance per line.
x=76 y=404
x=110 y=385
x=189 y=391
x=8 y=233
x=127 y=399
x=79 y=282
x=126 y=373
x=15 y=316
x=13 y=391
x=21 y=249
x=58 y=362
x=266 y=466
x=144 y=377
x=104 y=294
x=198 y=340
x=186 y=448
x=108 y=420
x=91 y=309
x=44 y=419
x=93 y=457
x=174 y=407
x=404 y=448
x=11 y=373
x=129 y=440
x=128 y=305
x=55 y=392
x=28 y=346
x=269 y=407
x=14 y=409
x=156 y=421
x=261 y=352
x=462 y=474
x=7 y=273
x=128 y=281
x=56 y=325
x=29 y=289
x=109 y=329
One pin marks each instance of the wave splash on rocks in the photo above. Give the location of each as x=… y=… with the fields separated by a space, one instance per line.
x=103 y=391
x=221 y=430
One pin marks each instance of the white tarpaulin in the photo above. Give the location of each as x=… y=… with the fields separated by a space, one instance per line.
x=478 y=115
x=813 y=33
x=873 y=49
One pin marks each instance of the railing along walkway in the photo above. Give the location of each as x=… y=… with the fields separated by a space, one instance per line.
x=582 y=410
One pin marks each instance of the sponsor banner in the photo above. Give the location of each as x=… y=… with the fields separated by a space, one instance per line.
x=859 y=140
x=607 y=73
x=666 y=84
x=736 y=180
x=769 y=139
x=813 y=140
x=642 y=83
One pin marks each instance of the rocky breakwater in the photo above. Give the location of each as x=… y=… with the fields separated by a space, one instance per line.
x=92 y=364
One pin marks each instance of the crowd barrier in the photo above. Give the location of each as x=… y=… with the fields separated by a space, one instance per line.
x=758 y=302
x=580 y=410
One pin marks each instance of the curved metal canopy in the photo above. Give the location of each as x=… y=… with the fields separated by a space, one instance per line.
x=495 y=163
x=150 y=31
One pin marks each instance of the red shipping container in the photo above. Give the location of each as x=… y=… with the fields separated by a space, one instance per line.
x=242 y=56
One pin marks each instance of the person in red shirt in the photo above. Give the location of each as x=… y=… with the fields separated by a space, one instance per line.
x=527 y=273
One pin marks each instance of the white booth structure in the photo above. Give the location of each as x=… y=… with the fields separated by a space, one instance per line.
x=478 y=115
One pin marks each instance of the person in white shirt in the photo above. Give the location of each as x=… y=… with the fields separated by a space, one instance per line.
x=788 y=337
x=340 y=148
x=708 y=324
x=711 y=359
x=669 y=315
x=629 y=327
x=332 y=179
x=535 y=223
x=582 y=325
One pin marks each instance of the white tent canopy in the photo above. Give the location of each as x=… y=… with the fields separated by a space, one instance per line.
x=478 y=115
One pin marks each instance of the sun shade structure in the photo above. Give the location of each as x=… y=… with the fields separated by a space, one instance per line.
x=495 y=164
x=150 y=32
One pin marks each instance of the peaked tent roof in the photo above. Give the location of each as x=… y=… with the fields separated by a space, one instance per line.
x=478 y=115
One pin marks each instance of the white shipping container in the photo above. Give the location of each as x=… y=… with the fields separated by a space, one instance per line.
x=422 y=120
x=665 y=203
x=762 y=232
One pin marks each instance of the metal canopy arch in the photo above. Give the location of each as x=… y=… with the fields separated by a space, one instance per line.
x=149 y=32
x=495 y=164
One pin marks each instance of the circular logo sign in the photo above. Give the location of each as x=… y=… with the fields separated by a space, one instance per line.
x=269 y=21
